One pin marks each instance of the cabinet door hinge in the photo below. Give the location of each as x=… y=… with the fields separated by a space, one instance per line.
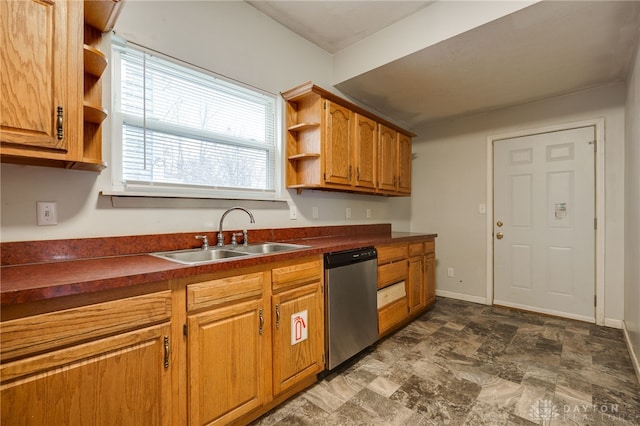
x=185 y=330
x=166 y=351
x=324 y=362
x=325 y=104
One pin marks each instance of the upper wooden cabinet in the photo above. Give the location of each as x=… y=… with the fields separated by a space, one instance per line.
x=39 y=79
x=50 y=90
x=333 y=144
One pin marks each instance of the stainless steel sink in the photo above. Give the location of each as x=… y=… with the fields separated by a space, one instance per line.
x=191 y=257
x=214 y=254
x=263 y=248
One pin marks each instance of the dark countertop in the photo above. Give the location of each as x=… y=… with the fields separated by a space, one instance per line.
x=29 y=282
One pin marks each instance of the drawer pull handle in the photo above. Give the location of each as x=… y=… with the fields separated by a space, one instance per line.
x=277 y=316
x=261 y=316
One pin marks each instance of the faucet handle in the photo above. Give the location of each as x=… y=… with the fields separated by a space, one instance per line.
x=245 y=238
x=205 y=241
x=234 y=240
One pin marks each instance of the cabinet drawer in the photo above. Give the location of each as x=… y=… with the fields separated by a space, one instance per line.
x=391 y=253
x=392 y=314
x=430 y=246
x=392 y=273
x=225 y=290
x=296 y=274
x=39 y=333
x=416 y=249
x=391 y=293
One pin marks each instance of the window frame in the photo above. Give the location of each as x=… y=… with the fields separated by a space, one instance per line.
x=119 y=186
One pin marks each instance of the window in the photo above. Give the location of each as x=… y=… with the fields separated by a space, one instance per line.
x=182 y=131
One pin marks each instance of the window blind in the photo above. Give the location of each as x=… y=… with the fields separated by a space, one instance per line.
x=184 y=126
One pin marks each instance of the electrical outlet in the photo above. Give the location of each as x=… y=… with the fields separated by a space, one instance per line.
x=348 y=213
x=47 y=212
x=482 y=209
x=314 y=212
x=368 y=213
x=293 y=212
x=450 y=272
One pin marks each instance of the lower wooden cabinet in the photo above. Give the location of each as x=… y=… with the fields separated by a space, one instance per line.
x=123 y=378
x=226 y=355
x=298 y=335
x=411 y=266
x=213 y=349
x=252 y=337
x=430 y=273
x=416 y=289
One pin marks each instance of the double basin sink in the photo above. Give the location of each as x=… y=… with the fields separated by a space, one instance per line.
x=215 y=253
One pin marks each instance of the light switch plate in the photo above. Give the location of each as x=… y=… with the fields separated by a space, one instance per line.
x=47 y=213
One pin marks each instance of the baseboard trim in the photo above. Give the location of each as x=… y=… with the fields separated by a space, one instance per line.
x=461 y=296
x=614 y=323
x=632 y=352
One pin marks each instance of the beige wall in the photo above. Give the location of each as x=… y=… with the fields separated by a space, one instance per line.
x=450 y=178
x=632 y=211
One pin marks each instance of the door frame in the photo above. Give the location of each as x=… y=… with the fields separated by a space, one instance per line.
x=598 y=124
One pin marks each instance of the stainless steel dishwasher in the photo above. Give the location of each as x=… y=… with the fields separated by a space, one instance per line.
x=351 y=303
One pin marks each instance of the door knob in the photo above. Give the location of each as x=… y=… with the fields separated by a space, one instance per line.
x=499 y=223
x=499 y=235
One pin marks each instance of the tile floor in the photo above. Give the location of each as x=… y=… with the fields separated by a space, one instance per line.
x=463 y=363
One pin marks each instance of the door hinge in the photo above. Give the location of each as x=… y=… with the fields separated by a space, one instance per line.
x=595 y=223
x=325 y=104
x=595 y=300
x=185 y=330
x=324 y=176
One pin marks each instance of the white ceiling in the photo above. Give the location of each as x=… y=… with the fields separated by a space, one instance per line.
x=547 y=49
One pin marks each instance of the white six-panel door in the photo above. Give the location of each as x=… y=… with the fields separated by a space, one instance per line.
x=543 y=229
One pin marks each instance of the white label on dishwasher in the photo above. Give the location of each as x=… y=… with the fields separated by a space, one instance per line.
x=299 y=331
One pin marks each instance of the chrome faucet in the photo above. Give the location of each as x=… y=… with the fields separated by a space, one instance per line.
x=220 y=235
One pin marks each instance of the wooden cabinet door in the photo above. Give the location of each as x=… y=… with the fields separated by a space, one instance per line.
x=387 y=158
x=119 y=380
x=226 y=357
x=337 y=145
x=430 y=278
x=365 y=147
x=296 y=356
x=40 y=74
x=416 y=290
x=404 y=164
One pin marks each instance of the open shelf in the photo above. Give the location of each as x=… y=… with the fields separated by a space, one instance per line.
x=304 y=156
x=95 y=62
x=94 y=113
x=303 y=126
